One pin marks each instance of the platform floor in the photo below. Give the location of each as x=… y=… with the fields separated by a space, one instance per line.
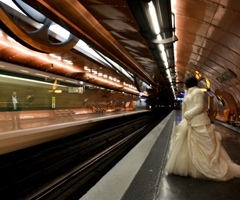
x=140 y=175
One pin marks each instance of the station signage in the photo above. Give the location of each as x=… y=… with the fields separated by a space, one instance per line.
x=78 y=90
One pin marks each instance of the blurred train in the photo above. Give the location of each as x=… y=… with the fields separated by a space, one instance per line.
x=41 y=91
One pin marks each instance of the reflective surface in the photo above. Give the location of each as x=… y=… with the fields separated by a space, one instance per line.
x=40 y=119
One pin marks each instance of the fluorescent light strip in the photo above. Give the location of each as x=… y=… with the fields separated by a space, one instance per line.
x=12 y=5
x=112 y=83
x=154 y=18
x=117 y=66
x=83 y=47
x=60 y=31
x=104 y=80
x=41 y=75
x=25 y=71
x=29 y=80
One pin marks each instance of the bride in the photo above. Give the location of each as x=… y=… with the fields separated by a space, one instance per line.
x=195 y=148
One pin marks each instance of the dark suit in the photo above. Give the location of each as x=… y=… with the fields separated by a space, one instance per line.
x=14 y=111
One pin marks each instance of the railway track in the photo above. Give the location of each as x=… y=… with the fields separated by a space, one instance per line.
x=67 y=168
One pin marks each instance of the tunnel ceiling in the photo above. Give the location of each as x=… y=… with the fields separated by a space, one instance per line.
x=206 y=39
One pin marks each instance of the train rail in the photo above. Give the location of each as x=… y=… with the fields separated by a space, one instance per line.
x=68 y=167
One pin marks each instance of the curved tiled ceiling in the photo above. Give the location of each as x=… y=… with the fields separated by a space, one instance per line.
x=207 y=31
x=208 y=41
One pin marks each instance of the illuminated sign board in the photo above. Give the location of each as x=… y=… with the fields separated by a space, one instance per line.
x=79 y=90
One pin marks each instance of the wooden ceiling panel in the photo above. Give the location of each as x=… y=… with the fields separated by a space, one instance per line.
x=214 y=34
x=237 y=93
x=234 y=91
x=105 y=2
x=118 y=25
x=133 y=43
x=225 y=55
x=230 y=42
x=194 y=27
x=211 y=66
x=183 y=56
x=120 y=35
x=232 y=4
x=211 y=74
x=217 y=23
x=203 y=54
x=213 y=62
x=106 y=11
x=196 y=10
x=223 y=17
x=233 y=28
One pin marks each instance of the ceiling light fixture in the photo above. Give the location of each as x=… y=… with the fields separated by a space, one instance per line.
x=153 y=18
x=158 y=40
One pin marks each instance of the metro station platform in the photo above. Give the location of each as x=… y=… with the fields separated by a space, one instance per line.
x=140 y=175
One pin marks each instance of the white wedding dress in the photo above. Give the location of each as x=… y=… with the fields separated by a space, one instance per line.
x=195 y=148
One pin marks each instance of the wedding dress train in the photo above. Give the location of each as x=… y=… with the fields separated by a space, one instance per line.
x=196 y=150
x=199 y=153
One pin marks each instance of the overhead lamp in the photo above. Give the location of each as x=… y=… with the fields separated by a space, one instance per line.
x=170 y=39
x=87 y=69
x=25 y=71
x=153 y=18
x=68 y=61
x=208 y=84
x=164 y=56
x=58 y=91
x=161 y=47
x=59 y=31
x=166 y=41
x=94 y=71
x=12 y=5
x=168 y=73
x=198 y=75
x=166 y=64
